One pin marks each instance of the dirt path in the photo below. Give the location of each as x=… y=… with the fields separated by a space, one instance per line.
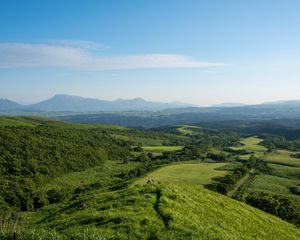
x=234 y=193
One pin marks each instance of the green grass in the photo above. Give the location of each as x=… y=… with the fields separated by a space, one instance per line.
x=188 y=129
x=16 y=121
x=35 y=121
x=283 y=157
x=273 y=184
x=194 y=173
x=105 y=174
x=162 y=211
x=285 y=171
x=251 y=144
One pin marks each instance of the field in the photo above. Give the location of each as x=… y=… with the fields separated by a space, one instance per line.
x=35 y=121
x=251 y=144
x=285 y=171
x=193 y=173
x=273 y=184
x=283 y=157
x=16 y=121
x=188 y=129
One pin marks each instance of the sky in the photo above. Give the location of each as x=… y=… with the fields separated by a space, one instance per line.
x=196 y=51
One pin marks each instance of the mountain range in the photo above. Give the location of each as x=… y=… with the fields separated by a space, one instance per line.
x=67 y=103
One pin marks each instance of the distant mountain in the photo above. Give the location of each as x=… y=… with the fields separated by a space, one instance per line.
x=282 y=103
x=221 y=105
x=79 y=104
x=6 y=105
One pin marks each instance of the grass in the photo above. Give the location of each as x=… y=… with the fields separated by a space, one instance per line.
x=285 y=171
x=273 y=184
x=251 y=144
x=187 y=129
x=193 y=173
x=162 y=211
x=105 y=174
x=283 y=157
x=16 y=121
x=35 y=121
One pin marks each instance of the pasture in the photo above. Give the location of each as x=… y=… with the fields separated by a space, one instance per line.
x=283 y=157
x=273 y=184
x=285 y=171
x=192 y=173
x=188 y=129
x=251 y=144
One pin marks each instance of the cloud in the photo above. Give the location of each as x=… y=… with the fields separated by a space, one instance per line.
x=82 y=55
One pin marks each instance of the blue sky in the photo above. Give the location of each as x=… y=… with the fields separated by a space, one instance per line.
x=202 y=52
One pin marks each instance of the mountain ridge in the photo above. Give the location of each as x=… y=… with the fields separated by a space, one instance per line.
x=64 y=102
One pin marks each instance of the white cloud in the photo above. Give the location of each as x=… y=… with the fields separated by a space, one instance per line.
x=81 y=55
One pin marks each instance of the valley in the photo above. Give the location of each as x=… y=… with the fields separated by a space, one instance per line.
x=109 y=194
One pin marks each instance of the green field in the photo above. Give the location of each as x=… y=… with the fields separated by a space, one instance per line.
x=194 y=173
x=251 y=144
x=285 y=171
x=188 y=129
x=35 y=121
x=16 y=121
x=273 y=184
x=283 y=157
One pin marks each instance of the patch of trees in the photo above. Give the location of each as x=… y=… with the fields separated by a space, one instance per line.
x=296 y=155
x=279 y=142
x=278 y=205
x=228 y=182
x=31 y=156
x=238 y=151
x=217 y=157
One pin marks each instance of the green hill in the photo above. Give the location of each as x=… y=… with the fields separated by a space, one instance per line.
x=172 y=211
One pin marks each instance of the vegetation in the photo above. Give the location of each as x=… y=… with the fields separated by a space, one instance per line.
x=88 y=181
x=172 y=211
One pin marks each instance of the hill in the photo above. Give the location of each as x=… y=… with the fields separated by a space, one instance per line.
x=168 y=211
x=6 y=105
x=228 y=105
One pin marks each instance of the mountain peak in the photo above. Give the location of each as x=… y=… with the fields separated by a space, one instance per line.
x=6 y=104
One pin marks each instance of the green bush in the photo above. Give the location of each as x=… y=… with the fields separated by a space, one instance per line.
x=278 y=205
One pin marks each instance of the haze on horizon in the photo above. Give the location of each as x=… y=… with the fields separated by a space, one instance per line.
x=199 y=52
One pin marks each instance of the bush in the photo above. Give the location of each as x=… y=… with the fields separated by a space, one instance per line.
x=57 y=195
x=277 y=205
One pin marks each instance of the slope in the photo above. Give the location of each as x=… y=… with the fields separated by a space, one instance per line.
x=172 y=211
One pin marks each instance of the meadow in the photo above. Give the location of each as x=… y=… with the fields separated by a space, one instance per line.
x=251 y=144
x=192 y=173
x=283 y=157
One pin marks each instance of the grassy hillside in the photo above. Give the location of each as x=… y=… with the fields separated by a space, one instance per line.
x=16 y=121
x=172 y=211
